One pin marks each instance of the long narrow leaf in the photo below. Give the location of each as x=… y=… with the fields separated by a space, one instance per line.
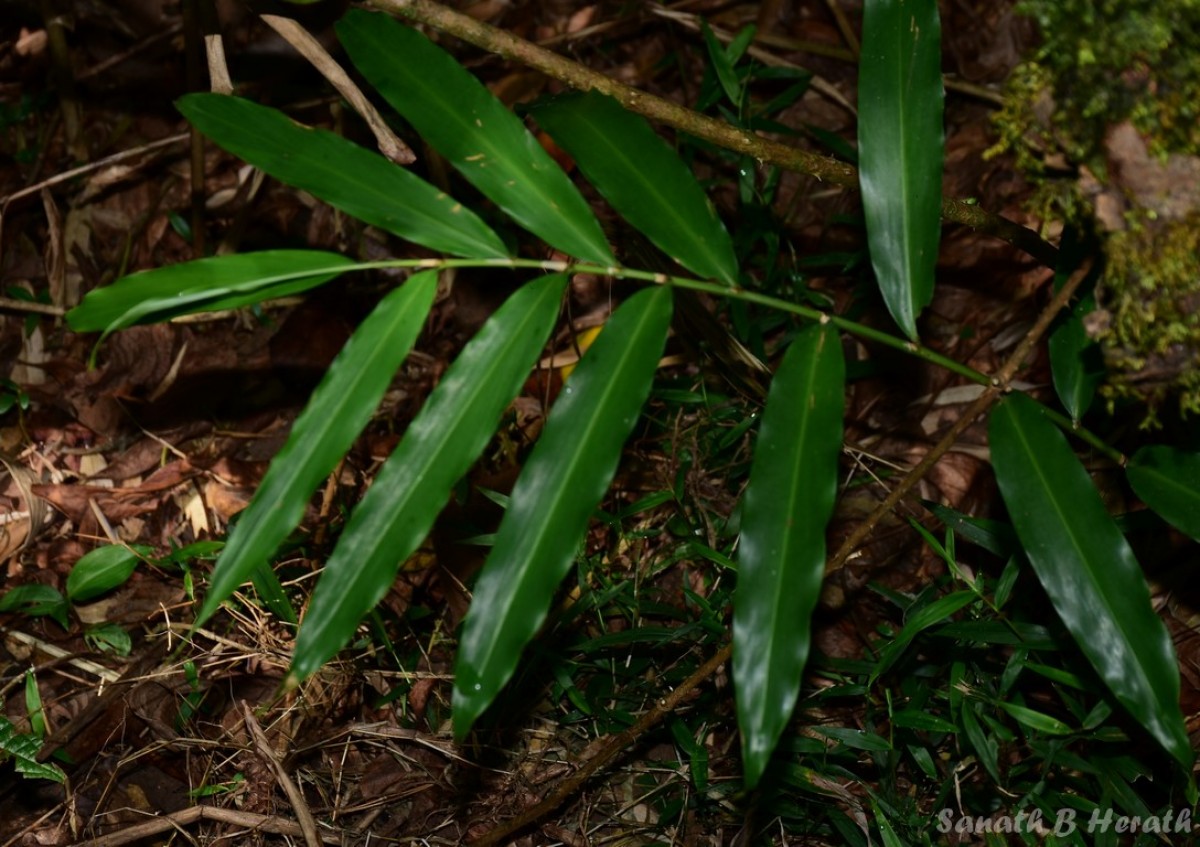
x=563 y=481
x=643 y=179
x=464 y=122
x=900 y=141
x=788 y=501
x=1168 y=481
x=338 y=410
x=413 y=485
x=202 y=285
x=1076 y=361
x=1087 y=568
x=351 y=178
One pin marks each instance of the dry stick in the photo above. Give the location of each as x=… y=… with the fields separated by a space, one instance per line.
x=303 y=43
x=175 y=820
x=92 y=167
x=11 y=304
x=509 y=46
x=610 y=748
x=1000 y=385
x=304 y=815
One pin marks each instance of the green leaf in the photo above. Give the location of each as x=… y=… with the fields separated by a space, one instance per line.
x=1076 y=361
x=900 y=150
x=781 y=560
x=923 y=721
x=473 y=130
x=37 y=600
x=270 y=592
x=109 y=636
x=643 y=179
x=564 y=478
x=348 y=177
x=204 y=285
x=101 y=570
x=24 y=749
x=855 y=739
x=723 y=65
x=931 y=615
x=1036 y=720
x=338 y=410
x=1087 y=568
x=411 y=488
x=1168 y=481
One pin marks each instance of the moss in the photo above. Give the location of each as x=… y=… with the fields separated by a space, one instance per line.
x=1103 y=64
x=1107 y=61
x=1150 y=319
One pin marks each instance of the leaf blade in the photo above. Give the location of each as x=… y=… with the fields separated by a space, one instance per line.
x=335 y=414
x=348 y=177
x=900 y=150
x=411 y=488
x=643 y=179
x=788 y=501
x=99 y=571
x=1168 y=481
x=473 y=130
x=563 y=480
x=1087 y=568
x=203 y=284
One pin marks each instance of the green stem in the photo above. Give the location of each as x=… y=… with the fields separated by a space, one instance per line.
x=739 y=293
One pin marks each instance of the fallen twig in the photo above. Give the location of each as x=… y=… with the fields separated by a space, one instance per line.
x=717 y=132
x=606 y=749
x=185 y=817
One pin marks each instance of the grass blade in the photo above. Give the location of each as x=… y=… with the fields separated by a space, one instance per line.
x=1087 y=568
x=338 y=410
x=464 y=122
x=412 y=487
x=643 y=179
x=203 y=285
x=900 y=150
x=788 y=502
x=348 y=177
x=564 y=478
x=1168 y=481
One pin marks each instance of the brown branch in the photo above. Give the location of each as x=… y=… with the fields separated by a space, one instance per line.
x=251 y=821
x=609 y=748
x=511 y=47
x=1001 y=383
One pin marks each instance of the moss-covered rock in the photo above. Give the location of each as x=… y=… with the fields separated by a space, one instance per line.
x=1105 y=119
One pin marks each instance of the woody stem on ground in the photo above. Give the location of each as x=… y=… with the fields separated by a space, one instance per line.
x=605 y=749
x=1000 y=385
x=509 y=46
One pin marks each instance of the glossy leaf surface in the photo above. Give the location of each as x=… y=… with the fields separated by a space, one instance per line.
x=900 y=150
x=1168 y=481
x=788 y=501
x=463 y=121
x=643 y=179
x=348 y=177
x=222 y=282
x=411 y=488
x=1087 y=568
x=336 y=413
x=562 y=482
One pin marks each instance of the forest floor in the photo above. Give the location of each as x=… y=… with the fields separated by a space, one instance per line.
x=159 y=436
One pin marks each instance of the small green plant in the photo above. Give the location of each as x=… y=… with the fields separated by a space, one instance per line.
x=22 y=749
x=1073 y=545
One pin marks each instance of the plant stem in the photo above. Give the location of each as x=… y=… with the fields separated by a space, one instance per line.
x=1000 y=385
x=509 y=46
x=996 y=384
